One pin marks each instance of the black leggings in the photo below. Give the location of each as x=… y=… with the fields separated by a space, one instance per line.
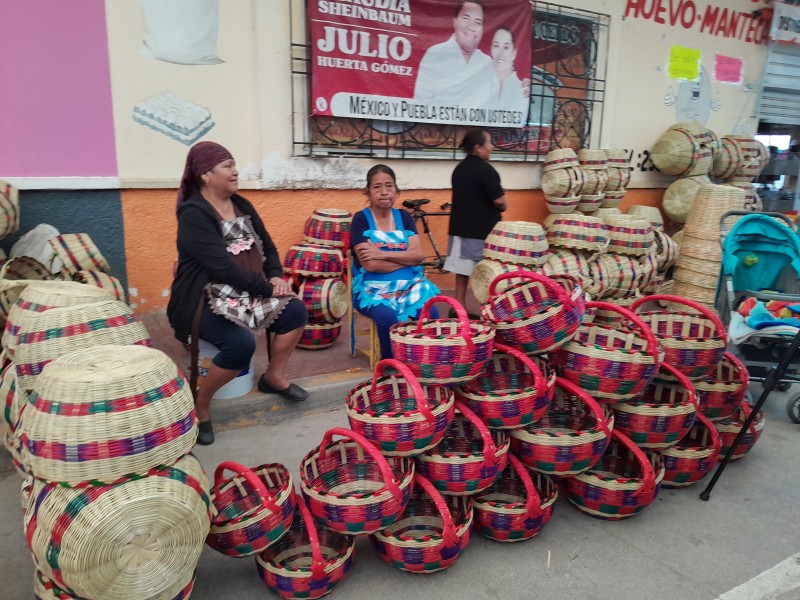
x=237 y=344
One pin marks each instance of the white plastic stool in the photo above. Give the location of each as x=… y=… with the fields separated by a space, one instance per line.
x=239 y=386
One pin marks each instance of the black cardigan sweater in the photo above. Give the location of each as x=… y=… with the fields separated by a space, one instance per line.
x=202 y=257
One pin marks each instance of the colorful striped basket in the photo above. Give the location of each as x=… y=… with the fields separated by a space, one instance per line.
x=9 y=399
x=397 y=414
x=611 y=199
x=79 y=253
x=313 y=260
x=518 y=242
x=576 y=232
x=722 y=391
x=590 y=203
x=318 y=336
x=615 y=276
x=430 y=534
x=535 y=316
x=565 y=182
x=350 y=487
x=753 y=156
x=102 y=280
x=88 y=540
x=728 y=161
x=516 y=506
x=648 y=213
x=623 y=482
x=560 y=206
x=694 y=457
x=666 y=251
x=511 y=392
x=610 y=362
x=679 y=152
x=254 y=509
x=107 y=412
x=730 y=427
x=575 y=263
x=694 y=340
x=485 y=273
x=44 y=589
x=9 y=209
x=468 y=458
x=569 y=438
x=307 y=562
x=329 y=227
x=618 y=169
x=15 y=275
x=629 y=234
x=443 y=351
x=560 y=158
x=594 y=181
x=325 y=299
x=661 y=415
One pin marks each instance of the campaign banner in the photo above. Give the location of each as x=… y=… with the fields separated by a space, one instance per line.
x=426 y=61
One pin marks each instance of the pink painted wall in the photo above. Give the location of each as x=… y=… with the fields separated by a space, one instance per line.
x=55 y=108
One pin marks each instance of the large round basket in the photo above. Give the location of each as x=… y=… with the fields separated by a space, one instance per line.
x=610 y=362
x=535 y=316
x=680 y=195
x=509 y=393
x=318 y=336
x=104 y=281
x=628 y=234
x=79 y=253
x=107 y=412
x=313 y=260
x=560 y=206
x=485 y=273
x=325 y=299
x=518 y=242
x=139 y=538
x=753 y=156
x=693 y=457
x=694 y=339
x=329 y=227
x=730 y=427
x=516 y=506
x=307 y=562
x=430 y=534
x=254 y=509
x=576 y=232
x=351 y=487
x=9 y=209
x=397 y=414
x=661 y=415
x=711 y=202
x=45 y=589
x=15 y=275
x=623 y=482
x=443 y=351
x=560 y=158
x=562 y=183
x=679 y=152
x=728 y=161
x=569 y=438
x=615 y=276
x=722 y=391
x=468 y=458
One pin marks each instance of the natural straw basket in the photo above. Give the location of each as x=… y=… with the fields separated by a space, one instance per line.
x=518 y=242
x=443 y=351
x=9 y=209
x=15 y=275
x=618 y=169
x=679 y=152
x=711 y=202
x=730 y=427
x=577 y=232
x=104 y=281
x=325 y=299
x=753 y=156
x=430 y=534
x=693 y=457
x=516 y=506
x=10 y=401
x=468 y=458
x=313 y=260
x=561 y=206
x=649 y=213
x=611 y=199
x=702 y=133
x=485 y=273
x=350 y=487
x=107 y=412
x=562 y=183
x=615 y=276
x=397 y=414
x=667 y=250
x=89 y=540
x=590 y=202
x=594 y=184
x=592 y=160
x=254 y=509
x=569 y=438
x=629 y=234
x=307 y=562
x=558 y=159
x=562 y=261
x=722 y=391
x=680 y=195
x=729 y=159
x=44 y=589
x=329 y=227
x=319 y=336
x=698 y=293
x=79 y=253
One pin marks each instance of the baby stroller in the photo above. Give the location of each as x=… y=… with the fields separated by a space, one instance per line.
x=759 y=296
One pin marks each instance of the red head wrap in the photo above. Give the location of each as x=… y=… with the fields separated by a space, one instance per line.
x=203 y=157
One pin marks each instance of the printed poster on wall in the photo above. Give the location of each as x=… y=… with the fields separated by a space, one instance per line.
x=428 y=61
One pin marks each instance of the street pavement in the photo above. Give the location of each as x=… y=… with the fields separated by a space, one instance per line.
x=744 y=544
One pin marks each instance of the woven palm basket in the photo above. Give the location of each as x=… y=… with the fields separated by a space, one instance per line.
x=650 y=213
x=612 y=199
x=329 y=227
x=559 y=183
x=729 y=428
x=485 y=272
x=102 y=280
x=576 y=232
x=325 y=299
x=558 y=159
x=629 y=234
x=79 y=253
x=594 y=160
x=590 y=202
x=680 y=153
x=15 y=275
x=703 y=134
x=575 y=263
x=318 y=336
x=680 y=195
x=615 y=276
x=313 y=260
x=618 y=169
x=711 y=202
x=561 y=206
x=692 y=291
x=754 y=156
x=9 y=209
x=602 y=212
x=106 y=412
x=649 y=277
x=138 y=538
x=594 y=182
x=518 y=242
x=751 y=198
x=10 y=401
x=700 y=248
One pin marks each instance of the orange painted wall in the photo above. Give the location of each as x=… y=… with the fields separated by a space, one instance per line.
x=150 y=226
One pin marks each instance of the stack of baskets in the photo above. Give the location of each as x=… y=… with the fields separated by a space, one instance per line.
x=619 y=176
x=316 y=268
x=740 y=161
x=562 y=181
x=9 y=209
x=595 y=178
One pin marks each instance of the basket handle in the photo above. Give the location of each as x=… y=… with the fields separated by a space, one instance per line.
x=744 y=374
x=380 y=460
x=716 y=441
x=588 y=400
x=652 y=344
x=266 y=498
x=648 y=474
x=489 y=448
x=317 y=560
x=533 y=504
x=704 y=311
x=550 y=285
x=747 y=409
x=449 y=534
x=685 y=383
x=419 y=394
x=463 y=319
x=538 y=378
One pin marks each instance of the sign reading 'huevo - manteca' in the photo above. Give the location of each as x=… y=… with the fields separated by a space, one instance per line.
x=430 y=61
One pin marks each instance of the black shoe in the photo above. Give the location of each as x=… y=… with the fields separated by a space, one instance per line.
x=205 y=436
x=293 y=392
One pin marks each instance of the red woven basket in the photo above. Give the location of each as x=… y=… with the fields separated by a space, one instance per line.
x=611 y=362
x=430 y=534
x=468 y=458
x=516 y=506
x=535 y=316
x=693 y=343
x=397 y=414
x=351 y=487
x=254 y=508
x=661 y=415
x=694 y=457
x=570 y=437
x=723 y=389
x=509 y=393
x=623 y=482
x=313 y=260
x=443 y=351
x=307 y=562
x=318 y=336
x=325 y=299
x=329 y=227
x=730 y=427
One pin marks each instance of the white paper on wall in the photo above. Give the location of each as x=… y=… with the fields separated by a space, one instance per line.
x=181 y=31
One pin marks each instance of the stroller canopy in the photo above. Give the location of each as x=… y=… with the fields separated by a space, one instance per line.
x=757 y=249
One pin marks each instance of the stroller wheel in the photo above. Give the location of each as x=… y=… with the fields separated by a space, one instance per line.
x=793 y=409
x=783 y=386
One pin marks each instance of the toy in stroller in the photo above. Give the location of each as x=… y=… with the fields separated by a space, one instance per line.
x=759 y=296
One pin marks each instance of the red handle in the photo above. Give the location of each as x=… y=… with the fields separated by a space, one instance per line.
x=317 y=561
x=684 y=383
x=704 y=311
x=550 y=285
x=648 y=474
x=588 y=400
x=744 y=374
x=489 y=448
x=464 y=328
x=419 y=394
x=449 y=534
x=652 y=344
x=533 y=504
x=715 y=439
x=538 y=378
x=380 y=460
x=251 y=478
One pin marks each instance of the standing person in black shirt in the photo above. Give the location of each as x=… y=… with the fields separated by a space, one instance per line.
x=478 y=201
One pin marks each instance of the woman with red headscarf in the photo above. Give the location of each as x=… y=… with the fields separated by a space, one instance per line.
x=229 y=281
